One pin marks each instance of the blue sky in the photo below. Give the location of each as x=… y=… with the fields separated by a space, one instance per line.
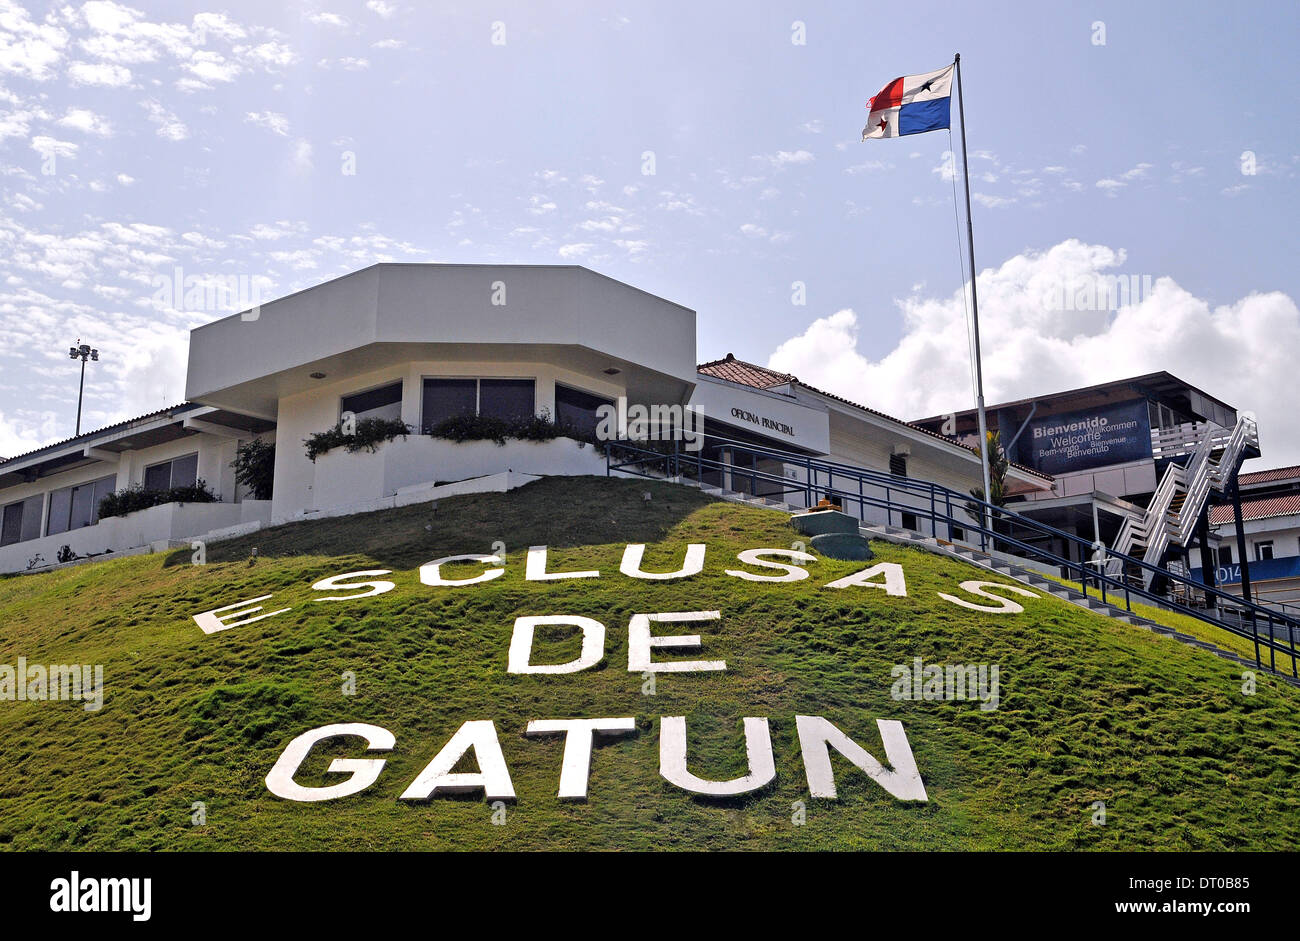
x=1104 y=140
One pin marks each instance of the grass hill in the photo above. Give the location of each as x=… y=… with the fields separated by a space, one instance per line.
x=1091 y=709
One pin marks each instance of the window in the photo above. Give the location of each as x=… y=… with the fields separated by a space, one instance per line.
x=22 y=520
x=75 y=507
x=505 y=398
x=958 y=532
x=178 y=472
x=898 y=465
x=492 y=398
x=384 y=402
x=1225 y=555
x=1264 y=550
x=577 y=409
x=909 y=521
x=447 y=398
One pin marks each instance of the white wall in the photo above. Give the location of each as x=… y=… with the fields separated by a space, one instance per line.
x=250 y=364
x=317 y=410
x=215 y=454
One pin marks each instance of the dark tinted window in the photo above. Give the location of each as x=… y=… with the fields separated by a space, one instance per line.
x=185 y=471
x=505 y=398
x=158 y=477
x=11 y=526
x=60 y=507
x=75 y=507
x=384 y=402
x=577 y=409
x=447 y=398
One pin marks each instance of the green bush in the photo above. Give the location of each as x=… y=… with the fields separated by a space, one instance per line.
x=135 y=498
x=254 y=466
x=368 y=434
x=484 y=428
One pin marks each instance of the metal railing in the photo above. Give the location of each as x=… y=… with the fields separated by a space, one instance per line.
x=1161 y=524
x=761 y=471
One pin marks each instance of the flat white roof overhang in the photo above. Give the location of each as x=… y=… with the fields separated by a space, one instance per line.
x=566 y=316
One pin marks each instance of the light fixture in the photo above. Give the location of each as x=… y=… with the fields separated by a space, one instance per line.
x=611 y=371
x=83 y=352
x=318 y=375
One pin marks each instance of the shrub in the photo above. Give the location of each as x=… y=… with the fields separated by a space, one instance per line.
x=368 y=434
x=131 y=499
x=484 y=428
x=254 y=466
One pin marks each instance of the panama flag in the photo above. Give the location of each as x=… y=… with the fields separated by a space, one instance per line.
x=912 y=104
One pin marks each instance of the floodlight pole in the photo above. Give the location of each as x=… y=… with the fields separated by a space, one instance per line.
x=83 y=352
x=985 y=457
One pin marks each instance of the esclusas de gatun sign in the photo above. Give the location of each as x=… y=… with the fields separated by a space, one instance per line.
x=897 y=774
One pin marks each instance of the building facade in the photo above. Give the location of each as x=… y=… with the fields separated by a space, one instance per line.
x=421 y=344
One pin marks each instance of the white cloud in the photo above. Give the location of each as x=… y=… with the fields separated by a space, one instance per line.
x=87 y=122
x=268 y=54
x=300 y=159
x=99 y=73
x=1110 y=187
x=49 y=146
x=380 y=8
x=1237 y=352
x=170 y=127
x=785 y=158
x=28 y=49
x=271 y=120
x=576 y=249
x=337 y=20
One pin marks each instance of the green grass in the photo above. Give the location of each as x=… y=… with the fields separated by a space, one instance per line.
x=1091 y=709
x=1188 y=624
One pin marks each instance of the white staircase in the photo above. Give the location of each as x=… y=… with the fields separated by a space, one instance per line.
x=1180 y=497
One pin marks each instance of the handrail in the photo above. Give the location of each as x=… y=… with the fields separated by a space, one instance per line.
x=933 y=500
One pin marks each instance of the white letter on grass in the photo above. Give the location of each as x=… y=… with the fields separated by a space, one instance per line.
x=894 y=583
x=333 y=582
x=672 y=759
x=817 y=737
x=578 y=739
x=536 y=568
x=363 y=771
x=640 y=641
x=755 y=557
x=634 y=553
x=429 y=574
x=521 y=644
x=1003 y=606
x=493 y=776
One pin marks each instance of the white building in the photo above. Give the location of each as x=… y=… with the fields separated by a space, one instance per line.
x=1270 y=514
x=422 y=343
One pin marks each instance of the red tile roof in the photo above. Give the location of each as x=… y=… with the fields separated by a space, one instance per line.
x=1269 y=476
x=1288 y=505
x=745 y=374
x=738 y=371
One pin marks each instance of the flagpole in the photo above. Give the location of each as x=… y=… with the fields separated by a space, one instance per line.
x=985 y=457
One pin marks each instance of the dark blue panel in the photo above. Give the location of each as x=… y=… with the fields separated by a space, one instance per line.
x=1096 y=437
x=923 y=116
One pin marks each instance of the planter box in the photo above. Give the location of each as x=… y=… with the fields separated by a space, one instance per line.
x=342 y=479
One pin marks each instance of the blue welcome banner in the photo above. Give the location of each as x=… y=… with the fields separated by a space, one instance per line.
x=1094 y=437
